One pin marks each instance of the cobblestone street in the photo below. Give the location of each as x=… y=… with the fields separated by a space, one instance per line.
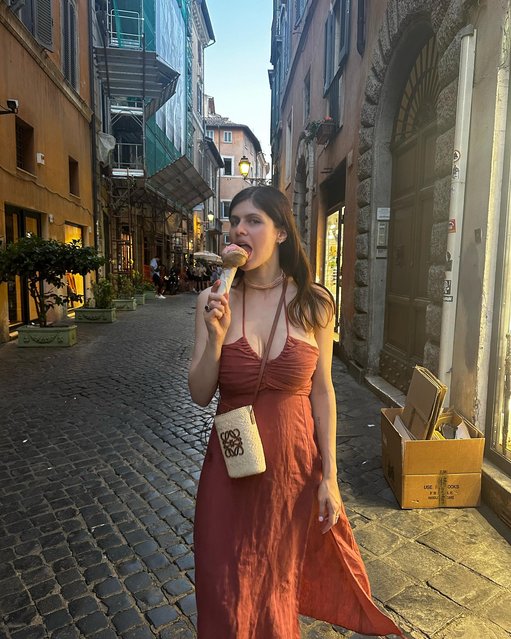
x=101 y=451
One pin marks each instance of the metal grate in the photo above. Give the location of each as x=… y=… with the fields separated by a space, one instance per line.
x=419 y=101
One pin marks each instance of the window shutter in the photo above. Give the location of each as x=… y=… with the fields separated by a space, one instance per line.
x=329 y=51
x=43 y=23
x=345 y=33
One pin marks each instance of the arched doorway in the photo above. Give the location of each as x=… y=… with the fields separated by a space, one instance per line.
x=413 y=163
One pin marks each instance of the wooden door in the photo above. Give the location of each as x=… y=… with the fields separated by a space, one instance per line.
x=411 y=220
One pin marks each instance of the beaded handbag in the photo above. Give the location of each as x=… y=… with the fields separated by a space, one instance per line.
x=237 y=430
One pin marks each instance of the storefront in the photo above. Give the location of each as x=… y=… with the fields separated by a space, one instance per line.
x=21 y=307
x=333 y=262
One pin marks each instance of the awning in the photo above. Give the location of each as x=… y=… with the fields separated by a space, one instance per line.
x=181 y=182
x=136 y=73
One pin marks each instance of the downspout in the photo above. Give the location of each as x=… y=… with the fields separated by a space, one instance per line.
x=492 y=227
x=94 y=162
x=457 y=204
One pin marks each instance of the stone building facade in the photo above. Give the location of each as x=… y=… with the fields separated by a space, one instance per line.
x=389 y=124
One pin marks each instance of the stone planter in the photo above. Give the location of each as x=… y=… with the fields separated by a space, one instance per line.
x=140 y=298
x=49 y=337
x=126 y=304
x=95 y=315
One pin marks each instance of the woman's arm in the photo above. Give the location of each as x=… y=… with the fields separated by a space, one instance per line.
x=210 y=330
x=325 y=420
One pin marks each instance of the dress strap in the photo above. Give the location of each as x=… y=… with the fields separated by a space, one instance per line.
x=285 y=309
x=243 y=312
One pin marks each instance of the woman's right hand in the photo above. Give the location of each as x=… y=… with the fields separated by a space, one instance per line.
x=217 y=314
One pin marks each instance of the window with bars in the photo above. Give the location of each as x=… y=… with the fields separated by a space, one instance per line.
x=69 y=43
x=24 y=146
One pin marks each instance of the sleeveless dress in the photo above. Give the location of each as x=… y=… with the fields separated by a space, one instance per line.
x=260 y=557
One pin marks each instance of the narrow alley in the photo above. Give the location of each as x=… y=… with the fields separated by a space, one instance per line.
x=100 y=455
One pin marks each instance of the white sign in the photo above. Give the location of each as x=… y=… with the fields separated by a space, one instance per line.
x=383 y=213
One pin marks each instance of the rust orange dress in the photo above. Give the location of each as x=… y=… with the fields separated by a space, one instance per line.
x=260 y=556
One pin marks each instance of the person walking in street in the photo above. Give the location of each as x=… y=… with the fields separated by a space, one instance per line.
x=157 y=280
x=273 y=545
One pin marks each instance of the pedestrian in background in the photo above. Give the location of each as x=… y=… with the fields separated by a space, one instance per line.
x=273 y=545
x=157 y=280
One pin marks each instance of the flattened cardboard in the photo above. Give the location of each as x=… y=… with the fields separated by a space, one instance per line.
x=423 y=403
x=431 y=473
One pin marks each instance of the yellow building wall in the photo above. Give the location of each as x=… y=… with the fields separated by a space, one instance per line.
x=60 y=118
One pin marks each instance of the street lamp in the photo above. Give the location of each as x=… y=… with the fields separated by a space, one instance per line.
x=244 y=166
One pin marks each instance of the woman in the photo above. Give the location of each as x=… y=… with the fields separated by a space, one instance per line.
x=270 y=546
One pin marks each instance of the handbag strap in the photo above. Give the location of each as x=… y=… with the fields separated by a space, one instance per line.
x=270 y=339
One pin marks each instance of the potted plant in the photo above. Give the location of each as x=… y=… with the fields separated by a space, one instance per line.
x=43 y=264
x=124 y=292
x=139 y=287
x=100 y=309
x=320 y=130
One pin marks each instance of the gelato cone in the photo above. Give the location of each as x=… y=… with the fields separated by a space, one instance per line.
x=233 y=256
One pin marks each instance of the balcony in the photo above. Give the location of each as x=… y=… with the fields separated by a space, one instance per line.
x=125 y=29
x=128 y=160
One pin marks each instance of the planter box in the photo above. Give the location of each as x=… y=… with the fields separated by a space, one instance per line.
x=140 y=298
x=95 y=315
x=49 y=337
x=125 y=305
x=325 y=131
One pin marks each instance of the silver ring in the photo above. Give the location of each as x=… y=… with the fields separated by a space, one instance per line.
x=207 y=308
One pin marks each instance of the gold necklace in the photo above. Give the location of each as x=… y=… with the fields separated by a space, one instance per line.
x=262 y=287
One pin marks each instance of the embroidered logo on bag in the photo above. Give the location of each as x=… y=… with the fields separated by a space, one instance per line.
x=232 y=443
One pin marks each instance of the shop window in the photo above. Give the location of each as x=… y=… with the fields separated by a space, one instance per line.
x=74 y=177
x=69 y=43
x=75 y=282
x=24 y=146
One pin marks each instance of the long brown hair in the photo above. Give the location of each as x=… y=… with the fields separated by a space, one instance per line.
x=312 y=306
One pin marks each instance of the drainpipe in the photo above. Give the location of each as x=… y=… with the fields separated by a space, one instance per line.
x=457 y=204
x=492 y=227
x=93 y=133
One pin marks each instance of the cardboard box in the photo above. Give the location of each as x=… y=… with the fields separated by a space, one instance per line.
x=431 y=473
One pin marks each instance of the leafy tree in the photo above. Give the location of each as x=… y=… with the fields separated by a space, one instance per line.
x=37 y=261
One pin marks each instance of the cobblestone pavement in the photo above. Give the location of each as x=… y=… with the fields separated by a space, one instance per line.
x=100 y=453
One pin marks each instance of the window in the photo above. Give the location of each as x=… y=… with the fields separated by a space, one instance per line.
x=74 y=179
x=228 y=137
x=361 y=26
x=225 y=206
x=227 y=170
x=210 y=134
x=24 y=146
x=289 y=142
x=199 y=99
x=69 y=43
x=227 y=239
x=37 y=17
x=336 y=41
x=307 y=97
x=299 y=7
